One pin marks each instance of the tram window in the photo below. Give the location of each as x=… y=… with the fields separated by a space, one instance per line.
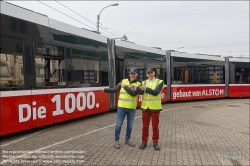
x=85 y=67
x=215 y=74
x=11 y=62
x=183 y=75
x=242 y=75
x=200 y=75
x=209 y=74
x=182 y=70
x=50 y=65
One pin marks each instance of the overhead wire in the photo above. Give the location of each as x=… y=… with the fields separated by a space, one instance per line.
x=65 y=14
x=69 y=16
x=211 y=46
x=192 y=46
x=134 y=33
x=75 y=12
x=198 y=40
x=84 y=17
x=205 y=47
x=175 y=41
x=218 y=45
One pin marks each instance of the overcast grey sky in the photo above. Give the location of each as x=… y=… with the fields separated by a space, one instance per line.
x=209 y=27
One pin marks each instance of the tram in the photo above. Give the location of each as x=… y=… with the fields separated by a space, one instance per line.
x=52 y=72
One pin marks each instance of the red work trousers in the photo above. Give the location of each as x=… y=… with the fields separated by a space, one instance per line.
x=146 y=115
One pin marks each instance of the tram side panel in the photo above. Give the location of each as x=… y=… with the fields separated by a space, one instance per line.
x=89 y=101
x=239 y=90
x=195 y=92
x=26 y=109
x=196 y=77
x=84 y=63
x=239 y=77
x=10 y=116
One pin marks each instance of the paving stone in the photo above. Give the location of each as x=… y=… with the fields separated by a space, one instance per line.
x=188 y=136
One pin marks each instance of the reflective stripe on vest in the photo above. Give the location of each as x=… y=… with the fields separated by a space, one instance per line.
x=156 y=99
x=129 y=100
x=126 y=100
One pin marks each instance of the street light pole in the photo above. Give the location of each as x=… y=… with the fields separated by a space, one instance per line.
x=98 y=16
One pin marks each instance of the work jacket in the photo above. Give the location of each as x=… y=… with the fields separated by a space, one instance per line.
x=126 y=100
x=150 y=101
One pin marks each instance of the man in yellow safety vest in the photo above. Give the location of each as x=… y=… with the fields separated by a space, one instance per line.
x=151 y=107
x=127 y=104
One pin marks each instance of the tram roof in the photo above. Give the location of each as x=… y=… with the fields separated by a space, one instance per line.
x=139 y=47
x=31 y=16
x=239 y=59
x=196 y=56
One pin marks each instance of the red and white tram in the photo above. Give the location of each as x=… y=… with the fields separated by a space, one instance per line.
x=52 y=72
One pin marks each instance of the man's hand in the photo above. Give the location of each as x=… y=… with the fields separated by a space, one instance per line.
x=122 y=85
x=132 y=87
x=142 y=87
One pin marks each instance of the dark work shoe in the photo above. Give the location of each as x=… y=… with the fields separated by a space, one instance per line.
x=117 y=145
x=156 y=146
x=129 y=143
x=143 y=145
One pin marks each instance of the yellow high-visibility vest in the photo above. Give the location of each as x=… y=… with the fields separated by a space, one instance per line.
x=126 y=100
x=150 y=101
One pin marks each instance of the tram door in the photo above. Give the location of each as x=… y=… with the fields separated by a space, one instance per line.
x=119 y=70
